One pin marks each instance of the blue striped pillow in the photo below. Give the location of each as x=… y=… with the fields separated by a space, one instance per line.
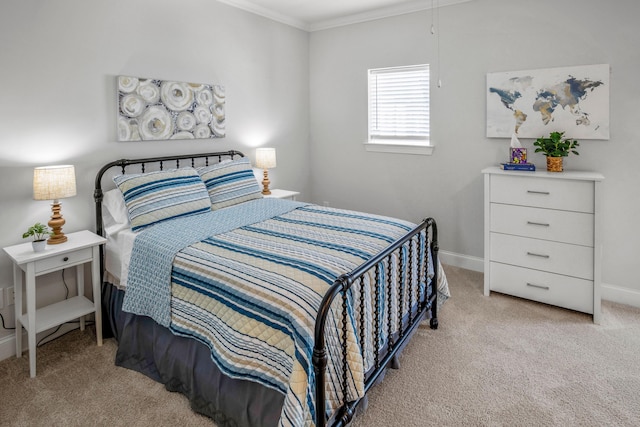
x=155 y=197
x=230 y=183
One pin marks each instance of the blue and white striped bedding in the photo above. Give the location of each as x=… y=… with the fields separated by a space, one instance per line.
x=248 y=281
x=154 y=197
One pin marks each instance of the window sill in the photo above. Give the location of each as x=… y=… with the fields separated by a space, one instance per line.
x=423 y=150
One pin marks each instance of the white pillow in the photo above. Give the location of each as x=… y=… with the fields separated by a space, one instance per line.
x=114 y=203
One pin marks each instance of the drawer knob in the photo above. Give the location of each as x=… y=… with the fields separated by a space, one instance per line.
x=538 y=192
x=546 y=288
x=65 y=259
x=538 y=255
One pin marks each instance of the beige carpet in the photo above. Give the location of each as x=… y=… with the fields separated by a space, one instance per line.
x=496 y=361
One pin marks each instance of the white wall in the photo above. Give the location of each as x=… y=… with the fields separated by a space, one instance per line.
x=60 y=60
x=476 y=38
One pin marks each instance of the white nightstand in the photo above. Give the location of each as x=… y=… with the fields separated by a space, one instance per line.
x=283 y=194
x=80 y=248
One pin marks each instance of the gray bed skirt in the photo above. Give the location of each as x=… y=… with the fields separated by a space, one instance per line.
x=184 y=365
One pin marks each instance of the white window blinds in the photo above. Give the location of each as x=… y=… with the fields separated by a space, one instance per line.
x=399 y=105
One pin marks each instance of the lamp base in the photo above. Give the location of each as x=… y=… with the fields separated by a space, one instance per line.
x=56 y=238
x=265 y=183
x=56 y=222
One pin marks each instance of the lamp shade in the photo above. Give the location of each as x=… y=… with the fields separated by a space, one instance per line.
x=265 y=158
x=54 y=182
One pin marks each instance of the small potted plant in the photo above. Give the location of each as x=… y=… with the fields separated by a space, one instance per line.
x=555 y=148
x=38 y=232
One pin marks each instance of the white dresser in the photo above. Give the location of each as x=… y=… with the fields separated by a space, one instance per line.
x=542 y=237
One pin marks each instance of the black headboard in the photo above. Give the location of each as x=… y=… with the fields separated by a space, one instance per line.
x=147 y=164
x=157 y=163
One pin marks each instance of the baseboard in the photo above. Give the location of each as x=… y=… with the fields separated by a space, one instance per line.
x=462 y=261
x=8 y=343
x=620 y=295
x=8 y=346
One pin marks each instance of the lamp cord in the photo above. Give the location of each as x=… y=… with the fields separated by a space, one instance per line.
x=66 y=295
x=3 y=325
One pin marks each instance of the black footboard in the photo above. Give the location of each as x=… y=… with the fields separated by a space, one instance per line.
x=407 y=320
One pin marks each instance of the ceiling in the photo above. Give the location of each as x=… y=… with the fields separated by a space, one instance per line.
x=314 y=15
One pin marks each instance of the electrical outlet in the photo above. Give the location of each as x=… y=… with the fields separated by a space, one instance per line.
x=11 y=298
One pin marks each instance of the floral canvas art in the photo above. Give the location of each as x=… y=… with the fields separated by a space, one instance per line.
x=151 y=109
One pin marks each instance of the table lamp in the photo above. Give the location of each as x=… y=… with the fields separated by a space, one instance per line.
x=265 y=159
x=54 y=183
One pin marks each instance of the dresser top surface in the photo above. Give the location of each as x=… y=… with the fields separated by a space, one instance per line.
x=567 y=174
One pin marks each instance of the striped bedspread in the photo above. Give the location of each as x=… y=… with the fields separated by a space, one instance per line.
x=250 y=290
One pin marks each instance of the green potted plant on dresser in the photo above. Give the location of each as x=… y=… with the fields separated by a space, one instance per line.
x=38 y=232
x=555 y=147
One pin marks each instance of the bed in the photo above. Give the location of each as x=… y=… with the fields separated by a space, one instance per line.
x=261 y=311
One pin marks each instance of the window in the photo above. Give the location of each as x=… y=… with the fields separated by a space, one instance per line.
x=399 y=109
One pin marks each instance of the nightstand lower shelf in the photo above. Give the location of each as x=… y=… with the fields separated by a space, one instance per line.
x=59 y=313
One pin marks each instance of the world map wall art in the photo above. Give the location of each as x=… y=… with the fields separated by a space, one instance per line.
x=151 y=109
x=534 y=103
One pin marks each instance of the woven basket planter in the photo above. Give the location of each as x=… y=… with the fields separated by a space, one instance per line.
x=554 y=164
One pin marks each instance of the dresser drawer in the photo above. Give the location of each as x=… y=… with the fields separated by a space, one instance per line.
x=561 y=194
x=554 y=257
x=60 y=261
x=563 y=291
x=547 y=224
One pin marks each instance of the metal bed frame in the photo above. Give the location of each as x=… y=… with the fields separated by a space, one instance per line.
x=407 y=322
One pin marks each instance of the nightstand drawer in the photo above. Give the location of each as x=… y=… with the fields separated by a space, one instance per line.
x=554 y=257
x=550 y=193
x=563 y=291
x=547 y=224
x=62 y=260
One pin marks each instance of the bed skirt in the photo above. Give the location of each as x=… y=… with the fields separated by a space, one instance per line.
x=184 y=365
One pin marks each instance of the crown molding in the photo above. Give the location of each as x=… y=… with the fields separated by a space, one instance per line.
x=267 y=13
x=383 y=12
